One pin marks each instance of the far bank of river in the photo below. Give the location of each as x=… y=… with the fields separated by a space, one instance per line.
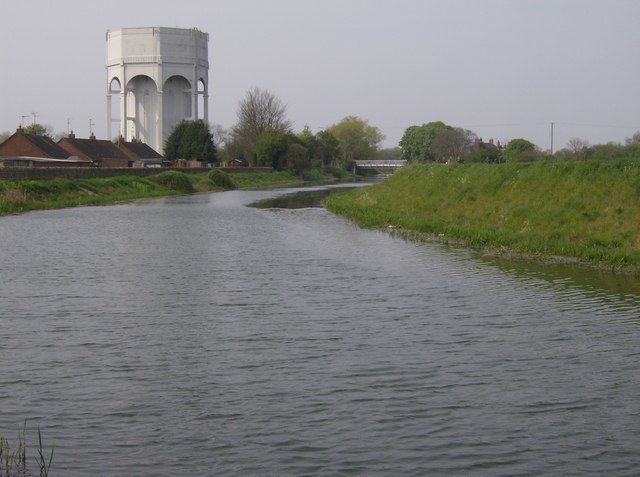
x=24 y=195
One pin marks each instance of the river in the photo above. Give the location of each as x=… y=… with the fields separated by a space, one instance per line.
x=197 y=336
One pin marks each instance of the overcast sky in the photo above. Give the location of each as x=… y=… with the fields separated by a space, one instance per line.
x=502 y=68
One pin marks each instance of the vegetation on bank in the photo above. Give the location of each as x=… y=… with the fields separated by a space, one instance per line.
x=584 y=209
x=13 y=459
x=25 y=195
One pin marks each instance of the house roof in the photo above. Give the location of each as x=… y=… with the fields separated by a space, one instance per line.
x=95 y=149
x=140 y=150
x=46 y=145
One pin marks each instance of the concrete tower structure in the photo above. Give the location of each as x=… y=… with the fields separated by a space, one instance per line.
x=161 y=76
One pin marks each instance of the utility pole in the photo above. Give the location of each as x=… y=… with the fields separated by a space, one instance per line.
x=552 y=138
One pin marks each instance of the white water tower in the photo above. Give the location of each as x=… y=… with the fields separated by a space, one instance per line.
x=161 y=76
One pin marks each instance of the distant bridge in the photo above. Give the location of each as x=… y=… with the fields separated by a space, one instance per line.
x=388 y=165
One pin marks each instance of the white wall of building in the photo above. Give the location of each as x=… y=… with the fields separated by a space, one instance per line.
x=159 y=69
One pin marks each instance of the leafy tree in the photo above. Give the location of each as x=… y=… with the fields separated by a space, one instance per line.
x=357 y=140
x=271 y=146
x=327 y=147
x=190 y=140
x=296 y=159
x=415 y=144
x=451 y=144
x=521 y=150
x=4 y=136
x=258 y=111
x=37 y=129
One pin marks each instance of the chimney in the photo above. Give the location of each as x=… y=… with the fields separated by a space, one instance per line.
x=491 y=141
x=71 y=135
x=20 y=130
x=93 y=136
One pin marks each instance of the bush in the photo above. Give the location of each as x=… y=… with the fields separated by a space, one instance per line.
x=221 y=179
x=313 y=175
x=337 y=172
x=174 y=180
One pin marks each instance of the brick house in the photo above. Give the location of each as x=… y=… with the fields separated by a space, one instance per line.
x=141 y=154
x=30 y=150
x=99 y=152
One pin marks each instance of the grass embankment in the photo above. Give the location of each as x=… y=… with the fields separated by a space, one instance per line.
x=587 y=210
x=25 y=195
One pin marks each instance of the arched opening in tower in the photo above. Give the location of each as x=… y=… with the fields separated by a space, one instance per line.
x=142 y=110
x=202 y=98
x=113 y=94
x=176 y=103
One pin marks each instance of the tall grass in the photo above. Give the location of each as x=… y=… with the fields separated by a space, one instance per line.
x=589 y=210
x=13 y=460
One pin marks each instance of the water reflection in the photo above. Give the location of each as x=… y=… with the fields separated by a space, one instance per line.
x=300 y=200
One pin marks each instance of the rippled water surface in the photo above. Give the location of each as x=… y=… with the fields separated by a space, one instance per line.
x=198 y=336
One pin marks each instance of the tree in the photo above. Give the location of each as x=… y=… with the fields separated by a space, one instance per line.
x=521 y=150
x=633 y=140
x=190 y=140
x=357 y=140
x=4 y=136
x=296 y=159
x=388 y=154
x=452 y=144
x=258 y=111
x=577 y=146
x=415 y=144
x=327 y=147
x=485 y=152
x=271 y=146
x=219 y=134
x=37 y=129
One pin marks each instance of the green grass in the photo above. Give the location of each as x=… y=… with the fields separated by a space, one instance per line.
x=25 y=195
x=264 y=180
x=588 y=210
x=13 y=460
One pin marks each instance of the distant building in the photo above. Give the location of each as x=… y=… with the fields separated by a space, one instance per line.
x=99 y=152
x=160 y=77
x=30 y=150
x=235 y=163
x=142 y=155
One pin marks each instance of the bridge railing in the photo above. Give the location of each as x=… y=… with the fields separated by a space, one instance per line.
x=380 y=164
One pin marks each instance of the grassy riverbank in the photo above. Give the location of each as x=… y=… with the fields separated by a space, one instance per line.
x=587 y=210
x=25 y=195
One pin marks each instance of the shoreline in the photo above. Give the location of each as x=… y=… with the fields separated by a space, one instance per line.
x=505 y=253
x=579 y=213
x=21 y=196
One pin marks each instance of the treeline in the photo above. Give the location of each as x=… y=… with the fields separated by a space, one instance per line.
x=440 y=142
x=263 y=136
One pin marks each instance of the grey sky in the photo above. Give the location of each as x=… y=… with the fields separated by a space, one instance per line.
x=502 y=68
